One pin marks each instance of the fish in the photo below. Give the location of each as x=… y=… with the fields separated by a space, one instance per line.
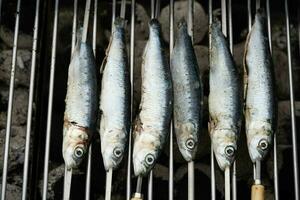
x=115 y=99
x=81 y=105
x=152 y=124
x=188 y=95
x=260 y=99
x=225 y=99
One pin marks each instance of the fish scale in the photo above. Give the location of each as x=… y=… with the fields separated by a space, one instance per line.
x=188 y=96
x=260 y=108
x=115 y=99
x=225 y=99
x=81 y=105
x=152 y=124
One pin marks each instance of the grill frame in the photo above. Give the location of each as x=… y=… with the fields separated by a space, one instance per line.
x=40 y=74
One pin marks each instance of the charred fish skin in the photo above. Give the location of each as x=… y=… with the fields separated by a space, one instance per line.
x=81 y=105
x=115 y=99
x=151 y=127
x=225 y=99
x=260 y=109
x=188 y=95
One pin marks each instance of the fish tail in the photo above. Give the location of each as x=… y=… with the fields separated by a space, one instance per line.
x=154 y=22
x=182 y=23
x=119 y=22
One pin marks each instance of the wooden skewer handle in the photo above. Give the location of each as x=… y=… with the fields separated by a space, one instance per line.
x=257 y=192
x=137 y=196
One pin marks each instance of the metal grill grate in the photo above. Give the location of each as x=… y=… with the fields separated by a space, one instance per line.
x=41 y=144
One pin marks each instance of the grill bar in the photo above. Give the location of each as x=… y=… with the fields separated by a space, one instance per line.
x=276 y=189
x=89 y=162
x=212 y=161
x=131 y=61
x=50 y=101
x=10 y=102
x=191 y=175
x=292 y=101
x=227 y=28
x=30 y=100
x=230 y=37
x=68 y=174
x=171 y=156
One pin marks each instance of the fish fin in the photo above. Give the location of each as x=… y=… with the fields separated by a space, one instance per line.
x=137 y=126
x=208 y=127
x=106 y=55
x=103 y=65
x=245 y=74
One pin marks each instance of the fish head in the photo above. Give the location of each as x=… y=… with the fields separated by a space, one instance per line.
x=225 y=146
x=113 y=148
x=259 y=142
x=75 y=145
x=187 y=140
x=145 y=154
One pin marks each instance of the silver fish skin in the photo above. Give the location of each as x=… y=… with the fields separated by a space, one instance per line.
x=115 y=99
x=151 y=127
x=260 y=109
x=225 y=99
x=188 y=96
x=81 y=105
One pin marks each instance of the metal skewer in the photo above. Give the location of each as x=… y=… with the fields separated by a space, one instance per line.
x=74 y=26
x=150 y=185
x=230 y=36
x=249 y=15
x=227 y=183
x=257 y=4
x=224 y=30
x=109 y=173
x=138 y=194
x=152 y=9
x=108 y=183
x=276 y=189
x=292 y=101
x=68 y=173
x=89 y=162
x=157 y=9
x=30 y=100
x=86 y=21
x=50 y=101
x=131 y=61
x=123 y=9
x=10 y=103
x=171 y=156
x=155 y=13
x=113 y=12
x=257 y=190
x=191 y=175
x=212 y=162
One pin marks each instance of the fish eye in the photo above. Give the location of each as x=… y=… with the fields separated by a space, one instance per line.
x=190 y=143
x=78 y=152
x=263 y=144
x=229 y=151
x=117 y=152
x=149 y=159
